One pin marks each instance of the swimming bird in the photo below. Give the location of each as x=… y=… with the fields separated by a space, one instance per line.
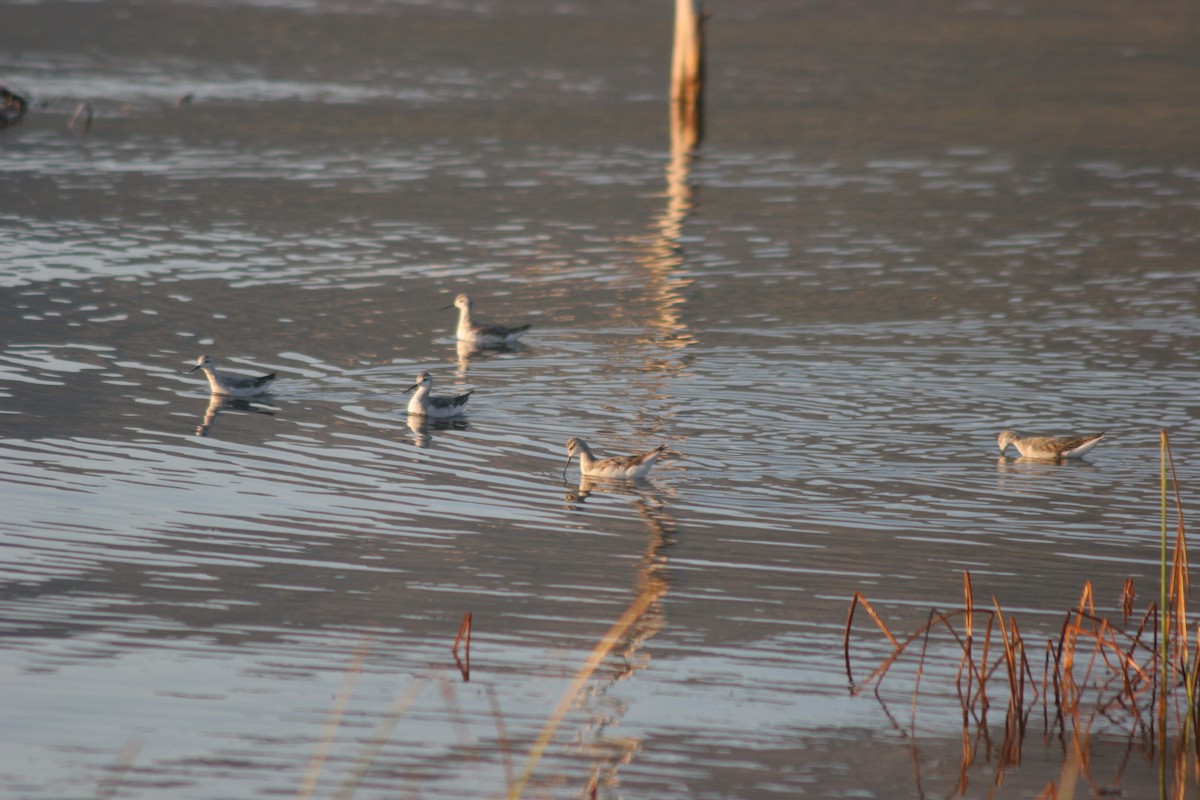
x=1048 y=448
x=483 y=333
x=623 y=467
x=423 y=402
x=228 y=385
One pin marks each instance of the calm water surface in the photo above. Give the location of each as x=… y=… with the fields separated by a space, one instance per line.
x=907 y=229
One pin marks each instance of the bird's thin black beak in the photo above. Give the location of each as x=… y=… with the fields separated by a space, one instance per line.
x=445 y=308
x=409 y=389
x=565 y=467
x=193 y=369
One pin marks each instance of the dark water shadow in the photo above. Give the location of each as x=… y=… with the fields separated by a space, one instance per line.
x=422 y=427
x=218 y=404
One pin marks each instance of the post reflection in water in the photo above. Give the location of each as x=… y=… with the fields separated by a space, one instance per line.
x=218 y=403
x=664 y=256
x=663 y=260
x=641 y=622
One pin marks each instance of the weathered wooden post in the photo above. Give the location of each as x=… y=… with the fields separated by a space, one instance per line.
x=687 y=75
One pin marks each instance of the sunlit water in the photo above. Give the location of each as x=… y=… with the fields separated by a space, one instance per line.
x=827 y=327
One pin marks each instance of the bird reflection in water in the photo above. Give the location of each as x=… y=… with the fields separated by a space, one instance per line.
x=421 y=426
x=218 y=403
x=641 y=488
x=470 y=351
x=1038 y=468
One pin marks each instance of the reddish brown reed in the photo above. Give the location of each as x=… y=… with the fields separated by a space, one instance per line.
x=1147 y=677
x=464 y=635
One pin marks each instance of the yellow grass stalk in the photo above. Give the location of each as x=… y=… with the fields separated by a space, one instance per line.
x=1086 y=601
x=1164 y=622
x=636 y=609
x=379 y=737
x=1180 y=590
x=502 y=733
x=317 y=761
x=1010 y=658
x=115 y=776
x=1193 y=677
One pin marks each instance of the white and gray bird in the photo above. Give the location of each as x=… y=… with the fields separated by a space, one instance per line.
x=223 y=383
x=621 y=467
x=423 y=402
x=482 y=333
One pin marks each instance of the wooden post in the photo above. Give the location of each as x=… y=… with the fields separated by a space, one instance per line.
x=687 y=75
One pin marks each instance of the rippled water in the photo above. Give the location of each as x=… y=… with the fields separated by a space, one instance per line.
x=897 y=239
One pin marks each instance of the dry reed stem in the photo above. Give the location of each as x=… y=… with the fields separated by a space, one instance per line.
x=636 y=609
x=502 y=735
x=1127 y=598
x=921 y=669
x=1072 y=673
x=317 y=761
x=1104 y=635
x=82 y=111
x=969 y=624
x=858 y=598
x=1091 y=665
x=983 y=659
x=968 y=758
x=1009 y=654
x=379 y=737
x=1065 y=789
x=882 y=669
x=1129 y=691
x=458 y=721
x=975 y=672
x=1025 y=665
x=854 y=603
x=1136 y=638
x=1193 y=677
x=1066 y=664
x=1162 y=646
x=1091 y=657
x=1086 y=601
x=464 y=633
x=111 y=783
x=969 y=604
x=1180 y=543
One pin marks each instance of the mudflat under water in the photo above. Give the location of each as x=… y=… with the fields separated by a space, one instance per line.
x=907 y=228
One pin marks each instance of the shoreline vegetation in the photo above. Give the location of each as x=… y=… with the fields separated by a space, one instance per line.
x=1137 y=675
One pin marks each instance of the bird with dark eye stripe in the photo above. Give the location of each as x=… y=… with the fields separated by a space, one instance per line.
x=440 y=407
x=482 y=333
x=619 y=467
x=223 y=383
